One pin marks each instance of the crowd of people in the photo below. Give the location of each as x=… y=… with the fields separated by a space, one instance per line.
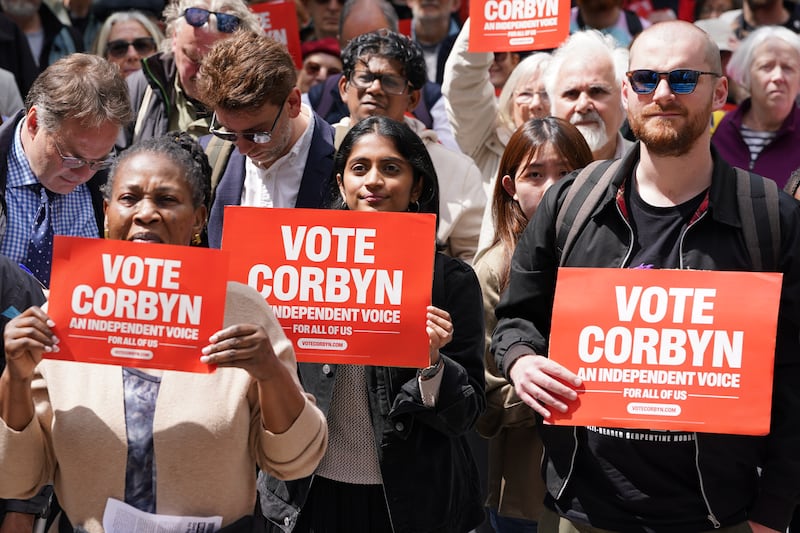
x=633 y=144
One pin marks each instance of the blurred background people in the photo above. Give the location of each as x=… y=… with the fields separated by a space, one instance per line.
x=608 y=17
x=321 y=59
x=127 y=37
x=711 y=9
x=435 y=29
x=503 y=64
x=10 y=99
x=324 y=23
x=539 y=153
x=762 y=134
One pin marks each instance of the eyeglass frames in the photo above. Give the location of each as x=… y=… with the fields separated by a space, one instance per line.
x=680 y=81
x=144 y=46
x=76 y=162
x=363 y=79
x=197 y=16
x=258 y=137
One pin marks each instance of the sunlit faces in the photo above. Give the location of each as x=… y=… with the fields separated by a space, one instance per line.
x=316 y=69
x=775 y=77
x=544 y=167
x=262 y=119
x=377 y=178
x=74 y=139
x=128 y=31
x=433 y=10
x=325 y=16
x=669 y=124
x=530 y=100
x=189 y=46
x=374 y=100
x=502 y=66
x=151 y=201
x=587 y=95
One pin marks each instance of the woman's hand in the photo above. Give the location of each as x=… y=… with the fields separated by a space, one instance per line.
x=439 y=326
x=245 y=346
x=540 y=382
x=27 y=337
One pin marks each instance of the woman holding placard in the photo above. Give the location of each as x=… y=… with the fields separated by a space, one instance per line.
x=397 y=459
x=539 y=153
x=164 y=442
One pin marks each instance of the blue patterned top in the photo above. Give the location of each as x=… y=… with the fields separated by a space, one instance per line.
x=141 y=391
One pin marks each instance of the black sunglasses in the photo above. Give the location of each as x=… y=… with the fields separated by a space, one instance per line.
x=258 y=137
x=197 y=16
x=680 y=81
x=144 y=46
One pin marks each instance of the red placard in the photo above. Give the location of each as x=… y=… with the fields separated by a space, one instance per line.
x=668 y=349
x=135 y=304
x=279 y=21
x=347 y=286
x=518 y=25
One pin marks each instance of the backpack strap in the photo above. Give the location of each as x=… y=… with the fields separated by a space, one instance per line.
x=144 y=110
x=583 y=196
x=759 y=212
x=218 y=152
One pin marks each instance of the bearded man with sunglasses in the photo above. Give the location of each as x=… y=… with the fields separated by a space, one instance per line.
x=671 y=203
x=164 y=93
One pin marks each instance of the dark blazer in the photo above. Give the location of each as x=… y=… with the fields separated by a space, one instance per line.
x=314 y=187
x=6 y=138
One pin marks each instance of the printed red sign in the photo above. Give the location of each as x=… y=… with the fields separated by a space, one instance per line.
x=668 y=349
x=347 y=287
x=518 y=25
x=279 y=21
x=134 y=304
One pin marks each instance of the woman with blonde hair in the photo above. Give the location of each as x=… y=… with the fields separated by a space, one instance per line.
x=127 y=37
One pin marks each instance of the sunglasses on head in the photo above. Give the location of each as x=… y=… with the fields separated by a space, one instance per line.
x=680 y=81
x=197 y=16
x=144 y=46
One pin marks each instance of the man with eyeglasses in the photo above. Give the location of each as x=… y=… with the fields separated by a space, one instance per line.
x=583 y=82
x=277 y=151
x=48 y=154
x=383 y=73
x=164 y=92
x=671 y=203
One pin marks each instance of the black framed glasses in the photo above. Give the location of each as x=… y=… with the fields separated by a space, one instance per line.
x=69 y=161
x=258 y=137
x=197 y=16
x=681 y=81
x=392 y=84
x=144 y=46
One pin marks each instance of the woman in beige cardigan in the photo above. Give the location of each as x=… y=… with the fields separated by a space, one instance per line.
x=168 y=443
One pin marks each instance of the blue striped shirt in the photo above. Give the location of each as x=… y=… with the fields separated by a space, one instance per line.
x=72 y=214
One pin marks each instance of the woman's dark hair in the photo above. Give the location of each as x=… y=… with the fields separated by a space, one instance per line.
x=181 y=149
x=522 y=148
x=408 y=144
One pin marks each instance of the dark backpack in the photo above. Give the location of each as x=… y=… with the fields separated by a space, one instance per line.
x=758 y=209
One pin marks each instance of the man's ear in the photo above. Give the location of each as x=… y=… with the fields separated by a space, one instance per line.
x=343 y=88
x=413 y=99
x=32 y=121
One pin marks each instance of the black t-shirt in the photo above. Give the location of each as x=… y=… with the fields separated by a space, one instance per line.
x=632 y=479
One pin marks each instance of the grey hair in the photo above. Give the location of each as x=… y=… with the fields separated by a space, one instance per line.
x=174 y=11
x=581 y=44
x=101 y=41
x=536 y=62
x=742 y=59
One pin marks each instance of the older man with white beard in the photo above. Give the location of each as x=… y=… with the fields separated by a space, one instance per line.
x=583 y=82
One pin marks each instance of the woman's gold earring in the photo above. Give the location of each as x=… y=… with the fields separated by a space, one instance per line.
x=105 y=232
x=196 y=240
